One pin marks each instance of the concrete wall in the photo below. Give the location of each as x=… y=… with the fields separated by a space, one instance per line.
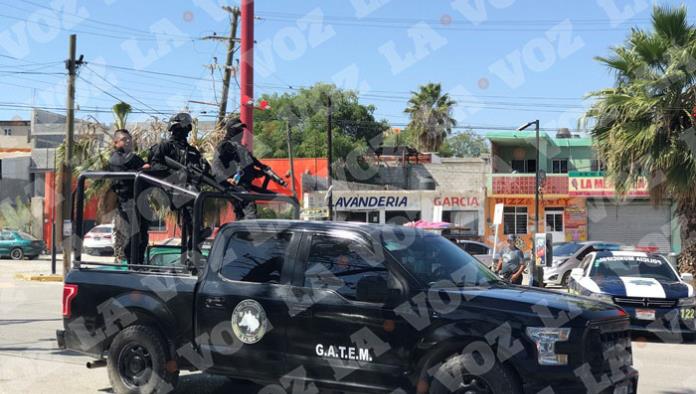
x=16 y=181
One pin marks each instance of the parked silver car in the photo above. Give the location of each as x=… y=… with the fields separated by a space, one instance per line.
x=568 y=255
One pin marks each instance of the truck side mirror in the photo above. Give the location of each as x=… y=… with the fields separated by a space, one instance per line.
x=687 y=277
x=577 y=273
x=372 y=288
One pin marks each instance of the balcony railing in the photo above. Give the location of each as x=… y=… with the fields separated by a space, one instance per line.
x=523 y=184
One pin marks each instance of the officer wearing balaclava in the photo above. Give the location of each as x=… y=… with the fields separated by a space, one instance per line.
x=234 y=165
x=177 y=148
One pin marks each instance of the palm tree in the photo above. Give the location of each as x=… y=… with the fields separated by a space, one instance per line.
x=642 y=126
x=431 y=116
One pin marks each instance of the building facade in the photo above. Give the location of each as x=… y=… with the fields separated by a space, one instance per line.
x=450 y=190
x=577 y=201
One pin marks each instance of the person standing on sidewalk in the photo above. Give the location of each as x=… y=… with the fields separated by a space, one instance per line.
x=511 y=262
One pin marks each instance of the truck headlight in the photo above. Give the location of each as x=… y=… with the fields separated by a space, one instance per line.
x=689 y=301
x=545 y=339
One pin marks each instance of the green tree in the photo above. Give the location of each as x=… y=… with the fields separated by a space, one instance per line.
x=464 y=144
x=644 y=125
x=305 y=113
x=431 y=116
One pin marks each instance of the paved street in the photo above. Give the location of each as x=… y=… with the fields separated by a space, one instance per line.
x=31 y=363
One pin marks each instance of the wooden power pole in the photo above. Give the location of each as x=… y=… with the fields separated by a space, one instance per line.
x=66 y=166
x=227 y=74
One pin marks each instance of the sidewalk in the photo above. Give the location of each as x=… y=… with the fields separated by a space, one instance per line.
x=40 y=268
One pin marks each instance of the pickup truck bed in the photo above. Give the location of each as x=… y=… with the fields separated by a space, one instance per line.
x=103 y=290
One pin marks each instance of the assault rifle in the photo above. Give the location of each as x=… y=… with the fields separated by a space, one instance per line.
x=199 y=175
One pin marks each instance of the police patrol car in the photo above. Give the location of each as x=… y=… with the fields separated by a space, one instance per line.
x=645 y=285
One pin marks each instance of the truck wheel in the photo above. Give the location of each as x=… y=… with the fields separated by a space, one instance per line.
x=454 y=377
x=138 y=362
x=17 y=254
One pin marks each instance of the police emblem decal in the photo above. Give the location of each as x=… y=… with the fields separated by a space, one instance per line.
x=249 y=322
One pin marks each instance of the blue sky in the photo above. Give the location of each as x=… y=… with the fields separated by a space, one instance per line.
x=504 y=61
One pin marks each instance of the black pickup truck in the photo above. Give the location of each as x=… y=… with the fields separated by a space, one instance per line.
x=306 y=306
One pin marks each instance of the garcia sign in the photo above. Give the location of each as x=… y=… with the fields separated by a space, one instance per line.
x=456 y=201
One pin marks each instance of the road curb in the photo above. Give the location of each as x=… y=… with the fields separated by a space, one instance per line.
x=40 y=278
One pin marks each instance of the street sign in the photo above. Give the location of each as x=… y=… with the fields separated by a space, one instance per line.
x=498 y=214
x=67 y=228
x=497 y=220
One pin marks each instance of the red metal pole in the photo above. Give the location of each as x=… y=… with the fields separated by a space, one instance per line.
x=246 y=107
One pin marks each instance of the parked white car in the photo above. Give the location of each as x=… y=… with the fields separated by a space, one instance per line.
x=99 y=240
x=568 y=255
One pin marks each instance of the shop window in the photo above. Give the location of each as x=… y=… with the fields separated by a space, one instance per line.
x=523 y=166
x=598 y=165
x=356 y=217
x=464 y=221
x=515 y=220
x=401 y=217
x=362 y=217
x=554 y=221
x=559 y=166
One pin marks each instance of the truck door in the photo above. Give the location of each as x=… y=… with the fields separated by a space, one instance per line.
x=241 y=316
x=344 y=326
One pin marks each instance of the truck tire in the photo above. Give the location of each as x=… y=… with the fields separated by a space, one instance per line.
x=138 y=362
x=456 y=377
x=17 y=254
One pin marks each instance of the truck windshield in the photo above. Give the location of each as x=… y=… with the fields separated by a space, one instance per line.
x=435 y=261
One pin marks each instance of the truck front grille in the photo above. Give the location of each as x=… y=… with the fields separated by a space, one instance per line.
x=607 y=344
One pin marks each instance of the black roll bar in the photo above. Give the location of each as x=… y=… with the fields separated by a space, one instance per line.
x=140 y=178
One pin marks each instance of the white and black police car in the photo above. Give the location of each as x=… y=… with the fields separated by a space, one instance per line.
x=645 y=285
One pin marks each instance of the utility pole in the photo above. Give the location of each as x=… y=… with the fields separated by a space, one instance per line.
x=227 y=74
x=292 y=162
x=329 y=148
x=537 y=186
x=66 y=167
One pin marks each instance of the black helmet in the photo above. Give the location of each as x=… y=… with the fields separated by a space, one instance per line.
x=182 y=120
x=234 y=126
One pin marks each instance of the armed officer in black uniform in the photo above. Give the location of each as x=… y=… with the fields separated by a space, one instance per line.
x=123 y=159
x=234 y=165
x=176 y=147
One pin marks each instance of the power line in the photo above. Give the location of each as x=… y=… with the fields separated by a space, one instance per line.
x=120 y=90
x=101 y=23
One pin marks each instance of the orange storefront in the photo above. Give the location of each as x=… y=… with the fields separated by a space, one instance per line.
x=562 y=215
